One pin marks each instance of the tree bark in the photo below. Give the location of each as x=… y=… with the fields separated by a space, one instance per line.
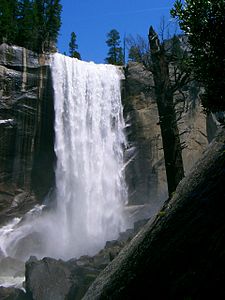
x=167 y=115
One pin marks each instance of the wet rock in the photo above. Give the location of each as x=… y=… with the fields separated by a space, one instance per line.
x=12 y=294
x=48 y=279
x=56 y=279
x=19 y=199
x=14 y=205
x=12 y=267
x=11 y=276
x=26 y=129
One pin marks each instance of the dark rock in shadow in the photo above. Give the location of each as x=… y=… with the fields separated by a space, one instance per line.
x=12 y=294
x=56 y=279
x=179 y=254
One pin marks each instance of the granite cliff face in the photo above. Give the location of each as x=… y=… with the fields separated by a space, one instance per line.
x=27 y=134
x=145 y=173
x=26 y=128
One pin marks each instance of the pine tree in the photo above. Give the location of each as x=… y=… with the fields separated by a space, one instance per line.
x=73 y=46
x=53 y=22
x=8 y=20
x=204 y=22
x=25 y=23
x=115 y=53
x=33 y=24
x=47 y=23
x=38 y=25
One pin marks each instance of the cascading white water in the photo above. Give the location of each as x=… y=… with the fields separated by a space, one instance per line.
x=90 y=188
x=89 y=137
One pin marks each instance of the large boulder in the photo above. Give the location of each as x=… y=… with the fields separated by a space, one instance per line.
x=12 y=294
x=48 y=279
x=59 y=280
x=11 y=276
x=56 y=279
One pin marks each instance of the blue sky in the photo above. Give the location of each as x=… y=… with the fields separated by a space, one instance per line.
x=91 y=20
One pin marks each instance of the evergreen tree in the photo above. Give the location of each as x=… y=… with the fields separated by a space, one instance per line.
x=33 y=24
x=138 y=50
x=134 y=54
x=25 y=23
x=204 y=23
x=115 y=53
x=47 y=20
x=53 y=22
x=8 y=21
x=73 y=46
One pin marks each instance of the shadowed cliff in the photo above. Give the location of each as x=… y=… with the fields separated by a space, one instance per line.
x=180 y=253
x=26 y=129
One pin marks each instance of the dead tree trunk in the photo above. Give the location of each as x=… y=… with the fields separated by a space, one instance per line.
x=167 y=115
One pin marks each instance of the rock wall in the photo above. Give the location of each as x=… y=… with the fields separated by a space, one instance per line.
x=145 y=172
x=27 y=134
x=26 y=123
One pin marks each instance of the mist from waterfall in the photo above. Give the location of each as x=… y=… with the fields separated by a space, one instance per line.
x=90 y=187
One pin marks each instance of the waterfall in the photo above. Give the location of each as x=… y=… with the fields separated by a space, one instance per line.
x=90 y=187
x=89 y=136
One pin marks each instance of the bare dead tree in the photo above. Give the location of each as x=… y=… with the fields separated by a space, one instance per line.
x=169 y=78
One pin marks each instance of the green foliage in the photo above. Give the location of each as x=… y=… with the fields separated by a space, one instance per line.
x=8 y=20
x=33 y=24
x=53 y=21
x=162 y=213
x=25 y=24
x=134 y=54
x=177 y=52
x=115 y=53
x=38 y=25
x=46 y=24
x=73 y=46
x=204 y=22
